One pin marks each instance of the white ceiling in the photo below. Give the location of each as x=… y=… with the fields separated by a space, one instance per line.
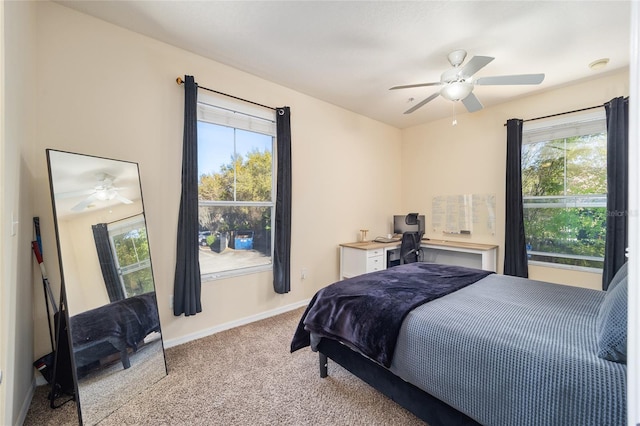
x=349 y=53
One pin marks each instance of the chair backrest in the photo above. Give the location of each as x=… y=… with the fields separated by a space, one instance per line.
x=410 y=247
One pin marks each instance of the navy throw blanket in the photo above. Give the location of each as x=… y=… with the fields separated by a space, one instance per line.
x=367 y=311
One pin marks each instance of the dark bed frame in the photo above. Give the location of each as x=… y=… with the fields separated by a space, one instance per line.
x=93 y=352
x=423 y=405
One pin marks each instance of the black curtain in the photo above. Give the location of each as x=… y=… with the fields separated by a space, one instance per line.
x=107 y=262
x=282 y=245
x=617 y=187
x=186 y=288
x=515 y=249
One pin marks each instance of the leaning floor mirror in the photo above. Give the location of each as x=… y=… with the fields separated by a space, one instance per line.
x=109 y=292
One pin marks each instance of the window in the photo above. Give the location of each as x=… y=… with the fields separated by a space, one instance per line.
x=131 y=252
x=236 y=187
x=564 y=187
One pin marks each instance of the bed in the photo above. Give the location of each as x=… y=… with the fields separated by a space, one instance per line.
x=488 y=349
x=113 y=329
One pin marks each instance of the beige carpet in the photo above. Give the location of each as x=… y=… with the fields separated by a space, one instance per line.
x=244 y=376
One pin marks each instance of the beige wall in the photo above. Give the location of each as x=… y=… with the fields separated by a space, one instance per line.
x=469 y=158
x=5 y=314
x=106 y=91
x=16 y=267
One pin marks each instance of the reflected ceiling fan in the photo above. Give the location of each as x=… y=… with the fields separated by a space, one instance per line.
x=457 y=83
x=102 y=191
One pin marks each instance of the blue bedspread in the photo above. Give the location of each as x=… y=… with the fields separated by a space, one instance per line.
x=367 y=311
x=510 y=351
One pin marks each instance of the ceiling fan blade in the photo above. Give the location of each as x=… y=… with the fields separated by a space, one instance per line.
x=123 y=200
x=422 y=103
x=474 y=65
x=471 y=103
x=74 y=194
x=83 y=204
x=409 y=86
x=511 y=79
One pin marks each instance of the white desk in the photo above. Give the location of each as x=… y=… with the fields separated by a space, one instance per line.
x=369 y=256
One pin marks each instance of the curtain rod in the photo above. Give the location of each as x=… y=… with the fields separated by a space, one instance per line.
x=562 y=113
x=179 y=81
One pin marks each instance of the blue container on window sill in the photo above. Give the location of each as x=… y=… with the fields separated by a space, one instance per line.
x=244 y=240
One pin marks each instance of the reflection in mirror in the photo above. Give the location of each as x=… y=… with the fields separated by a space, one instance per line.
x=114 y=327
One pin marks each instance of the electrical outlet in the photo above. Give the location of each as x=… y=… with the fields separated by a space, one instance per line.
x=303 y=273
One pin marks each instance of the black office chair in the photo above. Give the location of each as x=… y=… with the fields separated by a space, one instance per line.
x=410 y=250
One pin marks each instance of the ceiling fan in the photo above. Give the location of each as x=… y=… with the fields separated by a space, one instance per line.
x=102 y=191
x=457 y=83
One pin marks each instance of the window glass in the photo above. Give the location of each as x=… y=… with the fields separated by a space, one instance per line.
x=564 y=184
x=131 y=250
x=253 y=166
x=235 y=191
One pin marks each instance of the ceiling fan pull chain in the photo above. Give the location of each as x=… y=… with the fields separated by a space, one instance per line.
x=454 y=122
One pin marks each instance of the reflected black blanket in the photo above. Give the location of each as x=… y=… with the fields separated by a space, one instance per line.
x=128 y=321
x=367 y=311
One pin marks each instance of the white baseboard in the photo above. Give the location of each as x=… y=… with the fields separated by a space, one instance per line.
x=24 y=409
x=232 y=324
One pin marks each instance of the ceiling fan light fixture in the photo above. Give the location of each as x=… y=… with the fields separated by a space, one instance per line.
x=106 y=194
x=456 y=91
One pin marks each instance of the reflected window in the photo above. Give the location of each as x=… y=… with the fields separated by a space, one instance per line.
x=236 y=188
x=131 y=253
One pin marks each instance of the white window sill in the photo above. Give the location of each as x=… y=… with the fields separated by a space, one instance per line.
x=214 y=276
x=569 y=267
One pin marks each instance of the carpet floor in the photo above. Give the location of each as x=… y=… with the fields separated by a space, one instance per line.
x=243 y=376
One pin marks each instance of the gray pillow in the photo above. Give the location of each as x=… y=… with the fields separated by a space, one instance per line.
x=611 y=326
x=622 y=273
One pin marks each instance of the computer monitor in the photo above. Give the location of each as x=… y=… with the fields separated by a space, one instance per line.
x=400 y=226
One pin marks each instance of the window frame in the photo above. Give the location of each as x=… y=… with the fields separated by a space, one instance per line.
x=570 y=125
x=234 y=114
x=121 y=227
